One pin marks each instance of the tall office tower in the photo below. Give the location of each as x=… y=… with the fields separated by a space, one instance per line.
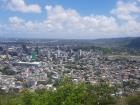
x=34 y=55
x=58 y=51
x=37 y=50
x=80 y=52
x=1 y=48
x=25 y=49
x=48 y=54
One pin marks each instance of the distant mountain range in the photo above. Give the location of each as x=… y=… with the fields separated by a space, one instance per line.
x=135 y=43
x=129 y=42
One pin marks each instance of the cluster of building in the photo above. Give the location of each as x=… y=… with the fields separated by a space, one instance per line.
x=40 y=66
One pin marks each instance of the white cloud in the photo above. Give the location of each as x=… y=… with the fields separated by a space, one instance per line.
x=16 y=20
x=126 y=11
x=68 y=23
x=16 y=23
x=21 y=6
x=127 y=15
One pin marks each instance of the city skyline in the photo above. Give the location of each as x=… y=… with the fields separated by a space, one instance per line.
x=74 y=19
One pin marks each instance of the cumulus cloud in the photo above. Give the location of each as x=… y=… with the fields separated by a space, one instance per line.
x=68 y=23
x=127 y=15
x=16 y=20
x=62 y=22
x=21 y=6
x=126 y=11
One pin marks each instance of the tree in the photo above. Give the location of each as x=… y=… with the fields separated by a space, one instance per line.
x=67 y=93
x=133 y=100
x=101 y=94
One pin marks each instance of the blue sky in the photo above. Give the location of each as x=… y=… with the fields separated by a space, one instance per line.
x=84 y=7
x=69 y=18
x=87 y=7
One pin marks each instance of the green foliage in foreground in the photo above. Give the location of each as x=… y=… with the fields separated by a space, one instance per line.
x=133 y=100
x=67 y=93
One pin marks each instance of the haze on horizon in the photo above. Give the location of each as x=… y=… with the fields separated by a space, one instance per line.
x=73 y=19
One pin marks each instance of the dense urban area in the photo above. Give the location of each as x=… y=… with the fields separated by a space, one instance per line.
x=41 y=65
